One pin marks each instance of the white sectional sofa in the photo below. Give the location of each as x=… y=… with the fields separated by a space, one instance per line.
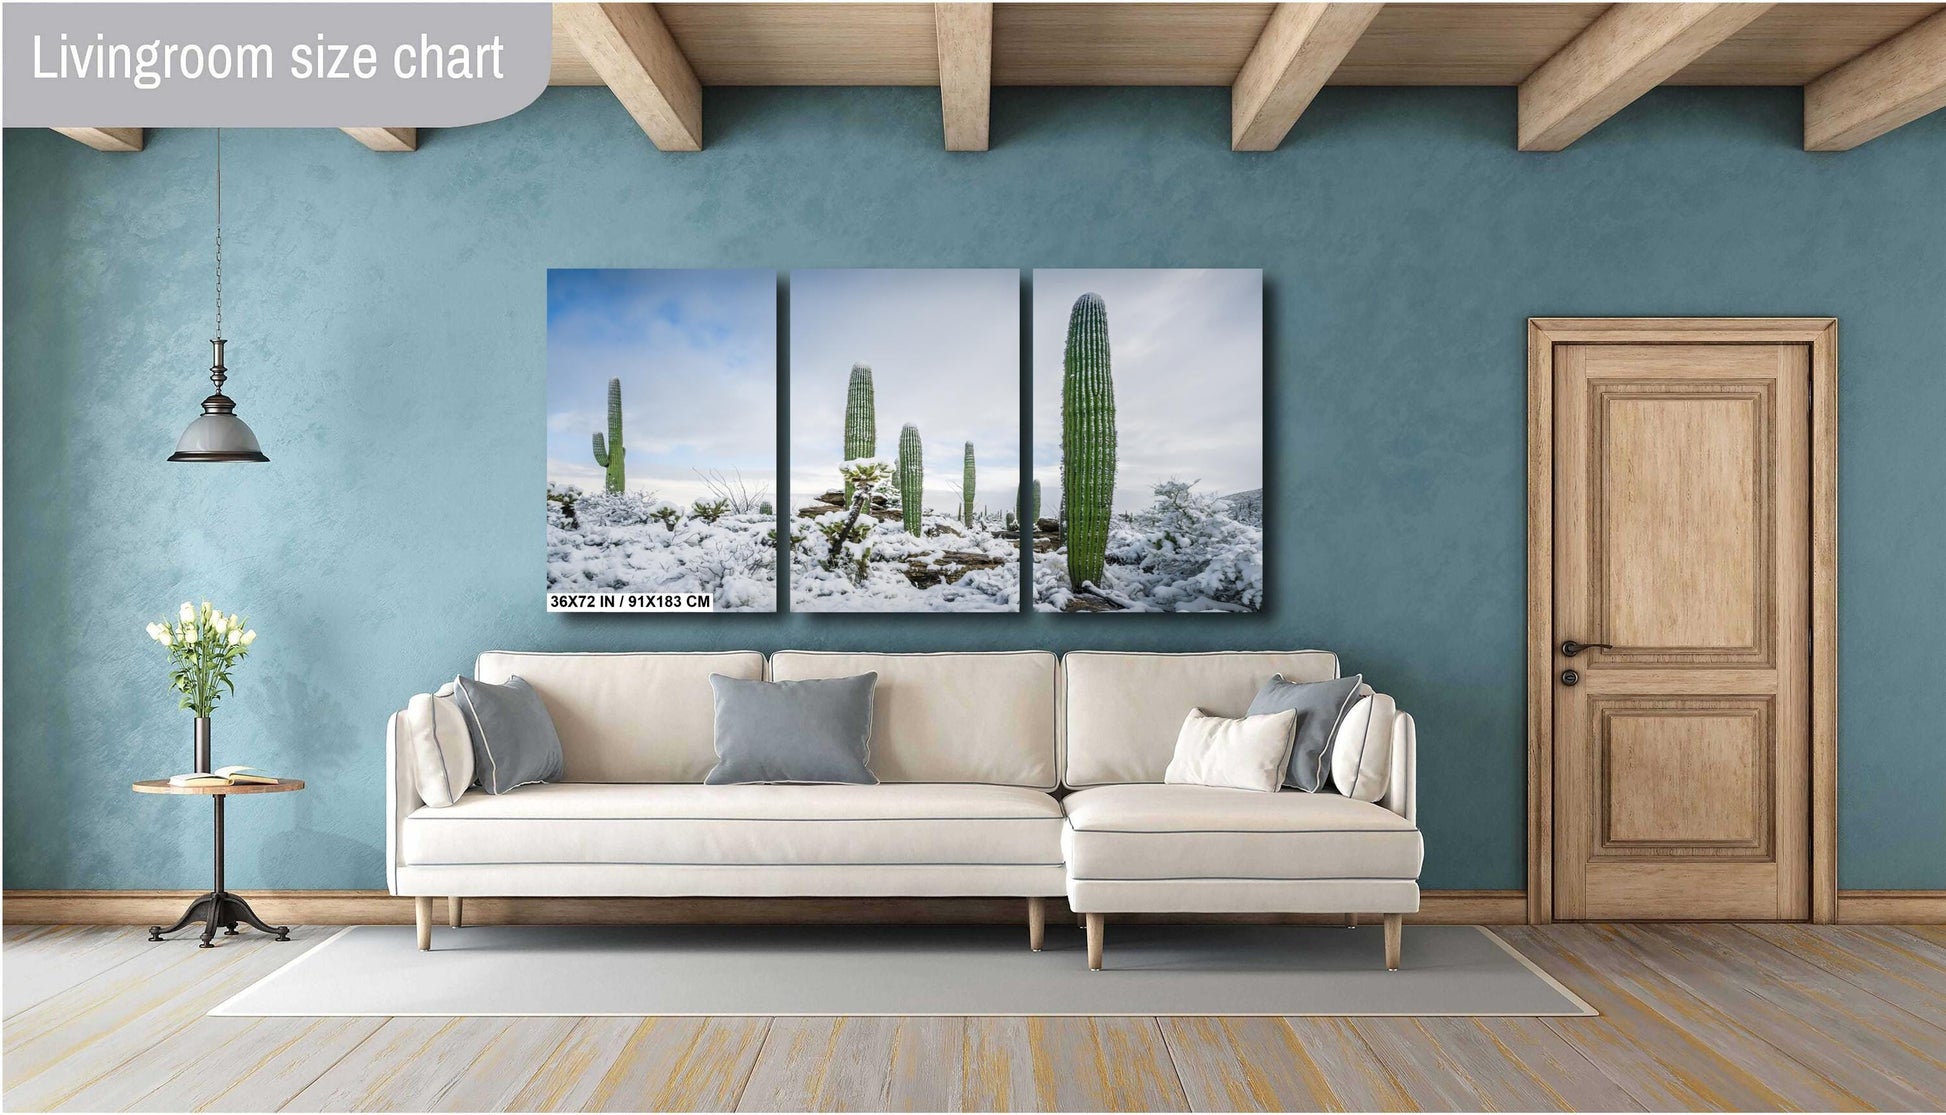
x=1001 y=774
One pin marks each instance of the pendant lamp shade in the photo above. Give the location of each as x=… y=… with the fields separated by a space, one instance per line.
x=218 y=435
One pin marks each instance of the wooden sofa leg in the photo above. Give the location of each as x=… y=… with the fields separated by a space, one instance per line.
x=422 y=908
x=1394 y=930
x=1351 y=921
x=453 y=910
x=1036 y=923
x=1094 y=922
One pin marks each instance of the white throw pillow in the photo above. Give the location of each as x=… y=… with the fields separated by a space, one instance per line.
x=435 y=736
x=1244 y=753
x=1361 y=752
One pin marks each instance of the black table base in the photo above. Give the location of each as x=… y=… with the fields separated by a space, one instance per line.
x=219 y=906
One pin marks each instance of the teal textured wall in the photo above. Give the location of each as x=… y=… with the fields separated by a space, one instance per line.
x=386 y=320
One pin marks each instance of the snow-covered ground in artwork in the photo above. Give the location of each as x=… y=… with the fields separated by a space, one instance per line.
x=877 y=573
x=1186 y=552
x=627 y=542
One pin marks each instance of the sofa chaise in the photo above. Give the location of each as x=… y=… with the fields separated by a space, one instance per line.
x=1002 y=774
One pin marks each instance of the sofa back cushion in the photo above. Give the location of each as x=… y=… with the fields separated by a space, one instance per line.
x=1122 y=710
x=985 y=717
x=637 y=717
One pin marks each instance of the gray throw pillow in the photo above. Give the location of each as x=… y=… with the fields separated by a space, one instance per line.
x=793 y=731
x=514 y=742
x=1319 y=706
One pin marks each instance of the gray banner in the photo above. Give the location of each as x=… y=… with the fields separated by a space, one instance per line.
x=270 y=65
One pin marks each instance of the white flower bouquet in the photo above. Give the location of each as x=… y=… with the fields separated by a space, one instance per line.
x=204 y=646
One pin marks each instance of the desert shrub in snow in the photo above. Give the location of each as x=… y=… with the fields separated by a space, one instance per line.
x=1190 y=548
x=616 y=509
x=669 y=515
x=560 y=506
x=710 y=510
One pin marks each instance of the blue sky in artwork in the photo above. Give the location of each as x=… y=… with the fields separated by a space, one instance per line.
x=696 y=352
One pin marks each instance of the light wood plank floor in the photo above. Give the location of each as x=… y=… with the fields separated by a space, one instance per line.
x=1693 y=1017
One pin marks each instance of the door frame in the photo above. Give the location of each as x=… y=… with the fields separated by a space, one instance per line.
x=1821 y=334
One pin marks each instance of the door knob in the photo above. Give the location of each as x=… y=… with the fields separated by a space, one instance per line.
x=1571 y=648
x=1570 y=677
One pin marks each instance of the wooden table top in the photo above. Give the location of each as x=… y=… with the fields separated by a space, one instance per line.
x=161 y=786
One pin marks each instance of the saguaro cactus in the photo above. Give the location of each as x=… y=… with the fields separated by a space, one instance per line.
x=1034 y=511
x=861 y=419
x=966 y=489
x=610 y=456
x=1087 y=440
x=912 y=478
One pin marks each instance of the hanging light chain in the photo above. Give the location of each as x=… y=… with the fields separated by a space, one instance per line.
x=219 y=232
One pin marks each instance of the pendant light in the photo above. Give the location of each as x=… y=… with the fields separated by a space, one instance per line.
x=218 y=434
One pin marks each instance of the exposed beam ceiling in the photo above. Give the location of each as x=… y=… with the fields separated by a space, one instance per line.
x=1206 y=44
x=1301 y=46
x=106 y=139
x=637 y=58
x=1866 y=67
x=1630 y=50
x=385 y=139
x=1795 y=44
x=965 y=36
x=1892 y=84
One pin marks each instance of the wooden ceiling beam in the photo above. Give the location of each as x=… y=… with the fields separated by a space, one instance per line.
x=965 y=34
x=1297 y=53
x=640 y=62
x=1628 y=51
x=1890 y=85
x=385 y=139
x=106 y=139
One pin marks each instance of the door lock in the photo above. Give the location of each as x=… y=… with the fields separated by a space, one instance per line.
x=1570 y=677
x=1571 y=648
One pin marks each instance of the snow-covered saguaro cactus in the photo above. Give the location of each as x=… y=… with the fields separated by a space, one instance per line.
x=966 y=489
x=1034 y=511
x=912 y=478
x=861 y=419
x=610 y=456
x=1087 y=440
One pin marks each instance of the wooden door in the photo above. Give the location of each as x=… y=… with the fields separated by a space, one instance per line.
x=1681 y=520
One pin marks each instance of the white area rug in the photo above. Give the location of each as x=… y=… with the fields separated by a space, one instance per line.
x=904 y=970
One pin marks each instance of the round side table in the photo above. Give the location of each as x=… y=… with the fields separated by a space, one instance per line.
x=219 y=906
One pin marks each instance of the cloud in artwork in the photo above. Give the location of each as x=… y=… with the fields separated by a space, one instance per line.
x=944 y=348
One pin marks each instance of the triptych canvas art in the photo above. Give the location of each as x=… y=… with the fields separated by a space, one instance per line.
x=903 y=490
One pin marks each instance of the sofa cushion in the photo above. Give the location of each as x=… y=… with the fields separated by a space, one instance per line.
x=433 y=733
x=514 y=742
x=984 y=717
x=1202 y=832
x=1361 y=752
x=1122 y=710
x=753 y=825
x=638 y=717
x=807 y=732
x=1243 y=753
x=1319 y=707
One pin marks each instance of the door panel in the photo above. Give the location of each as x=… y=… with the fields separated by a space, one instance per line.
x=1681 y=756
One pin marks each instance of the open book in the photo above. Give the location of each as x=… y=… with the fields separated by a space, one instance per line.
x=224 y=776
